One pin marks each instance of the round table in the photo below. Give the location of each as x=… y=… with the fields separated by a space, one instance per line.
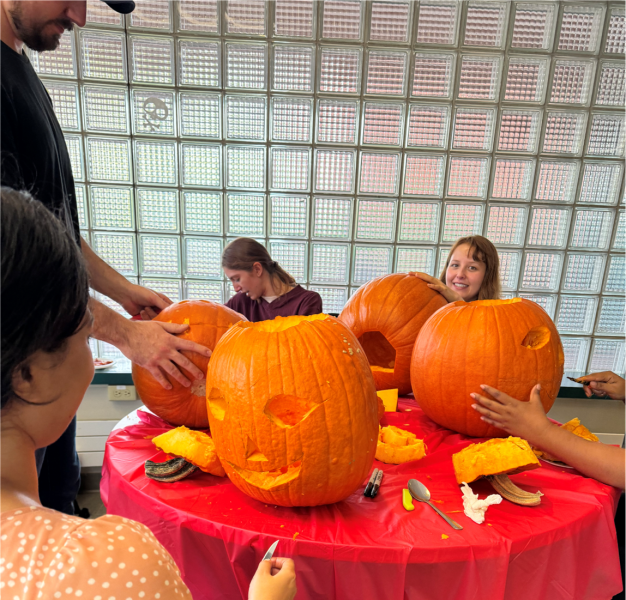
x=366 y=548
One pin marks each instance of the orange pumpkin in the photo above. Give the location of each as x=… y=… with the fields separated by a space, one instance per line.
x=293 y=410
x=510 y=345
x=386 y=315
x=186 y=405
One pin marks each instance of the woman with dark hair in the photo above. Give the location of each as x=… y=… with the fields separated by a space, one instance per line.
x=264 y=289
x=46 y=369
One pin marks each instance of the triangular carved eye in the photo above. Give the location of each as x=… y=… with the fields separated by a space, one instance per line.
x=253 y=452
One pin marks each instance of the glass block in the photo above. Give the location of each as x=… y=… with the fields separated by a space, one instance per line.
x=519 y=130
x=168 y=287
x=159 y=255
x=507 y=225
x=415 y=259
x=592 y=229
x=600 y=183
x=386 y=73
x=375 y=220
x=291 y=256
x=576 y=351
x=473 y=128
x=294 y=68
x=509 y=268
x=289 y=216
x=480 y=77
x=102 y=55
x=245 y=167
x=616 y=34
x=65 y=102
x=542 y=271
x=424 y=175
x=330 y=263
x=437 y=22
x=571 y=81
x=294 y=18
x=199 y=63
x=202 y=212
x=334 y=171
x=245 y=118
x=155 y=162
x=581 y=28
x=468 y=177
x=433 y=75
x=619 y=243
x=611 y=84
x=383 y=124
x=371 y=262
x=204 y=290
x=389 y=21
x=616 y=275
x=118 y=250
x=333 y=299
x=611 y=320
x=564 y=133
x=460 y=220
x=291 y=119
x=198 y=15
x=108 y=160
x=485 y=24
x=557 y=181
x=246 y=214
x=512 y=179
x=105 y=109
x=534 y=25
x=112 y=353
x=75 y=150
x=428 y=126
x=152 y=60
x=333 y=218
x=245 y=17
x=576 y=314
x=153 y=112
x=99 y=13
x=419 y=222
x=342 y=19
x=157 y=209
x=583 y=273
x=289 y=169
x=526 y=79
x=81 y=206
x=548 y=303
x=548 y=227
x=203 y=257
x=61 y=62
x=111 y=208
x=337 y=121
x=606 y=136
x=155 y=15
x=443 y=257
x=380 y=173
x=340 y=70
x=200 y=115
x=607 y=355
x=246 y=66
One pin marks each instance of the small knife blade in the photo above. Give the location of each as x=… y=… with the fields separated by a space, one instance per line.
x=270 y=552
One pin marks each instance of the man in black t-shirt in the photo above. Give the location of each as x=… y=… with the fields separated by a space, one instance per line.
x=34 y=157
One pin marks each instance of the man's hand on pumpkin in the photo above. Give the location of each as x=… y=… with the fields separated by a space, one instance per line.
x=274 y=579
x=139 y=300
x=437 y=285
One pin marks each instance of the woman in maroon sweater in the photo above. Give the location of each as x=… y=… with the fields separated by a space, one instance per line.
x=264 y=289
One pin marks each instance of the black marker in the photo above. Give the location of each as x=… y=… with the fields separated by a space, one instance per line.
x=370 y=484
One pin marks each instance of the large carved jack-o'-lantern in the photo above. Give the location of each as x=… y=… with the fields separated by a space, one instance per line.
x=293 y=410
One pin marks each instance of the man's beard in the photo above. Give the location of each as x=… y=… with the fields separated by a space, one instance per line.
x=32 y=34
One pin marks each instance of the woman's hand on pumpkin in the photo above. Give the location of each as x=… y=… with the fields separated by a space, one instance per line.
x=603 y=384
x=274 y=579
x=522 y=419
x=437 y=285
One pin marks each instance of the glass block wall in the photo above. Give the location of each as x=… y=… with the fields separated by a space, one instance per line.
x=356 y=139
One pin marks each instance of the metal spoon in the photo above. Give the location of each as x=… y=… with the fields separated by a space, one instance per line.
x=420 y=492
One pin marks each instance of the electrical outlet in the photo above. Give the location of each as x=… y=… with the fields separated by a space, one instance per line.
x=122 y=392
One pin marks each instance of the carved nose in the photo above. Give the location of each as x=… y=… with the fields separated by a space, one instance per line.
x=253 y=452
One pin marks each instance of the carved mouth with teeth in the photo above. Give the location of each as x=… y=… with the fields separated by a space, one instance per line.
x=269 y=480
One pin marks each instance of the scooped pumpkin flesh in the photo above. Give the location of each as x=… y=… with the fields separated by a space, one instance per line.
x=576 y=428
x=397 y=446
x=497 y=456
x=194 y=446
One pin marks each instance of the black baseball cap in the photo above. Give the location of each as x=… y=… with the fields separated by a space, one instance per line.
x=120 y=6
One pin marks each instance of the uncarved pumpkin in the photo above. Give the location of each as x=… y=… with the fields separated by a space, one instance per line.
x=186 y=405
x=510 y=345
x=386 y=315
x=293 y=410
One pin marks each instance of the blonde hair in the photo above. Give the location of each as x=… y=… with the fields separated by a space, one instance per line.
x=482 y=250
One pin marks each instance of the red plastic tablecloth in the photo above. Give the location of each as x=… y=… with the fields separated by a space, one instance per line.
x=361 y=548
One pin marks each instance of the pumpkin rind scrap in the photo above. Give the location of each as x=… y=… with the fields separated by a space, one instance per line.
x=186 y=405
x=493 y=457
x=510 y=345
x=195 y=447
x=386 y=314
x=577 y=428
x=293 y=410
x=396 y=446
